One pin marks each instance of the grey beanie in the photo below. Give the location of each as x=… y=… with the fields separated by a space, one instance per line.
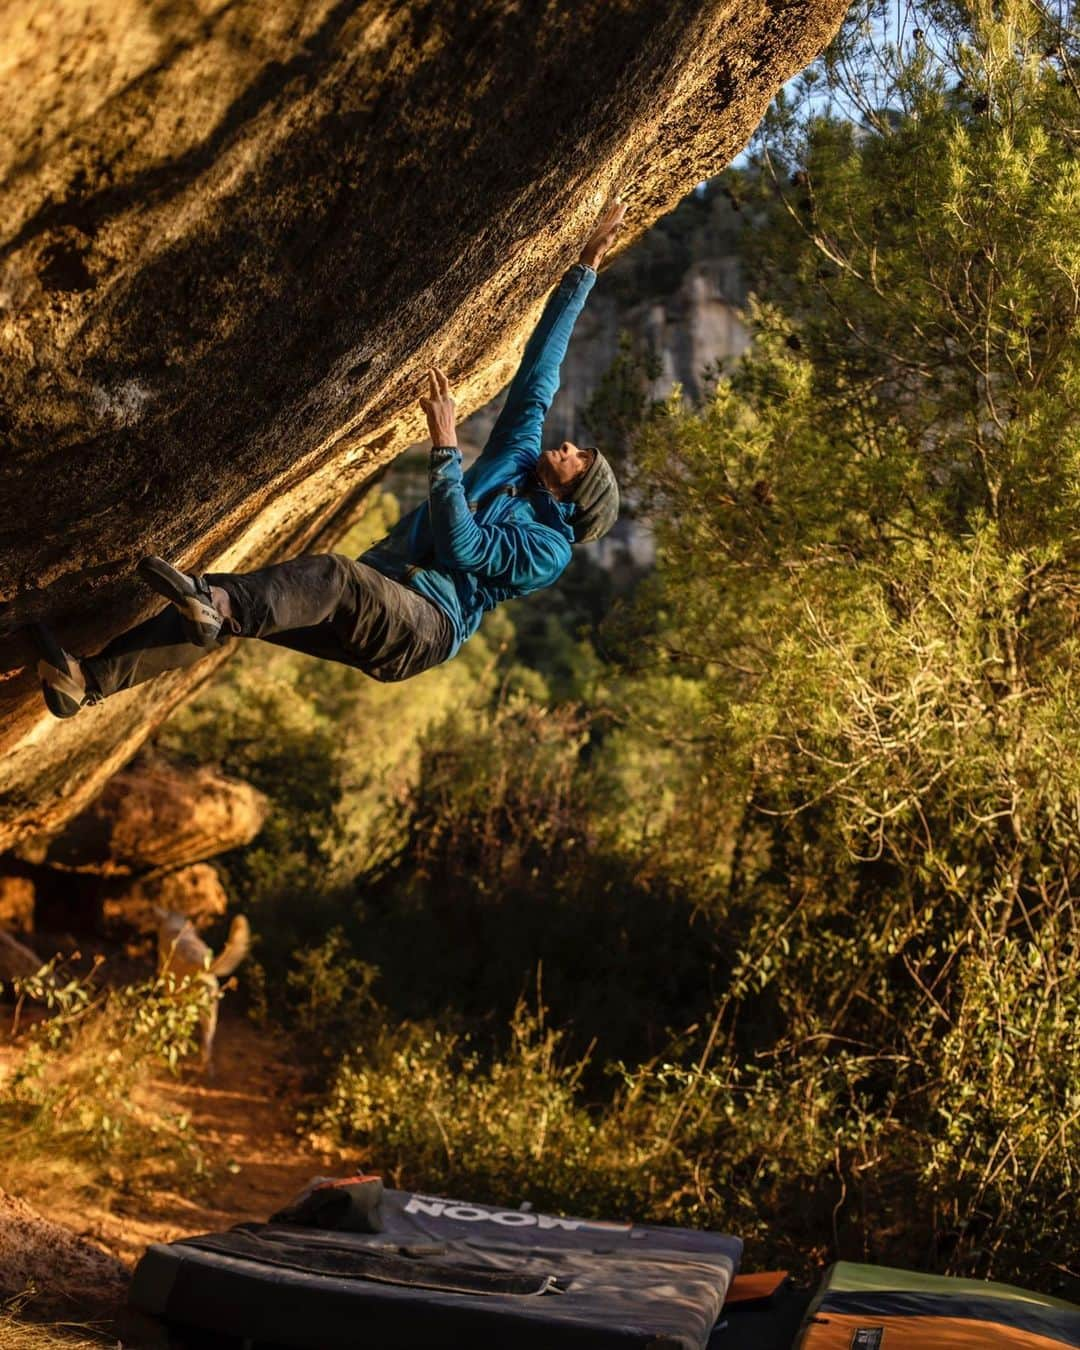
x=596 y=498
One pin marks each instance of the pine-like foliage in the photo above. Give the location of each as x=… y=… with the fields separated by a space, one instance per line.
x=868 y=556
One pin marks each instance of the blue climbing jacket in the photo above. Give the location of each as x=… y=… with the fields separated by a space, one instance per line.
x=492 y=533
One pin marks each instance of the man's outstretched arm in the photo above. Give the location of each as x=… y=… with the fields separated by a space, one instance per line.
x=520 y=555
x=517 y=432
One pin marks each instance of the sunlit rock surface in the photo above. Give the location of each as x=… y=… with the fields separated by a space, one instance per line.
x=194 y=891
x=17 y=960
x=233 y=236
x=16 y=903
x=156 y=814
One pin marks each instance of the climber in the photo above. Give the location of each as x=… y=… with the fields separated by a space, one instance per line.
x=500 y=529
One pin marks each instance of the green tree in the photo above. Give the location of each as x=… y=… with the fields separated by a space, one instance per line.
x=867 y=557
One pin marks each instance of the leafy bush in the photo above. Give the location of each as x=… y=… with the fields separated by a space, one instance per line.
x=508 y=867
x=79 y=1102
x=423 y=1105
x=434 y=1111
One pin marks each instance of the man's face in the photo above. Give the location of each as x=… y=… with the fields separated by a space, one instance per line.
x=560 y=469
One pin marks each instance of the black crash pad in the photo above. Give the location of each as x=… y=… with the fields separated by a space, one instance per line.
x=442 y=1274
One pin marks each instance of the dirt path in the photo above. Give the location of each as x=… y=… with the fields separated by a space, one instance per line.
x=245 y=1120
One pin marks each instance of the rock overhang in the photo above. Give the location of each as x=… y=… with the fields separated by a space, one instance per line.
x=234 y=236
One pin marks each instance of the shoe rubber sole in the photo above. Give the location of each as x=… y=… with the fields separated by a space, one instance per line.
x=60 y=691
x=202 y=622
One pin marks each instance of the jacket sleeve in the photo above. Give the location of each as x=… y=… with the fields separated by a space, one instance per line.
x=525 y=557
x=516 y=435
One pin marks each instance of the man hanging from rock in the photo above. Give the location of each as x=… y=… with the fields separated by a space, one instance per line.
x=500 y=529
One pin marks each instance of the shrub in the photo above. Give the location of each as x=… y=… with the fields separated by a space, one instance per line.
x=434 y=1113
x=80 y=1104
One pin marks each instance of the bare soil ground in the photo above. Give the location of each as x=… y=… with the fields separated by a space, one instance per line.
x=244 y=1117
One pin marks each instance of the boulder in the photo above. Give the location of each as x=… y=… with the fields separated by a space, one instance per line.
x=66 y=1273
x=158 y=814
x=17 y=960
x=17 y=903
x=232 y=236
x=194 y=891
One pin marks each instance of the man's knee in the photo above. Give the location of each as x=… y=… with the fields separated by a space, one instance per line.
x=342 y=566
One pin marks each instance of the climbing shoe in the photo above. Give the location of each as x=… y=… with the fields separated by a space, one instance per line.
x=202 y=620
x=62 y=680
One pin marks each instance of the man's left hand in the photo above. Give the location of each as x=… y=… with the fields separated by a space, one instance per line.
x=440 y=409
x=604 y=233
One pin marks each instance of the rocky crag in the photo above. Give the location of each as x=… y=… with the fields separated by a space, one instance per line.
x=142 y=846
x=234 y=234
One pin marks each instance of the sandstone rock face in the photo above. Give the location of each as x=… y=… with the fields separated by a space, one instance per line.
x=194 y=891
x=158 y=814
x=17 y=903
x=17 y=960
x=233 y=234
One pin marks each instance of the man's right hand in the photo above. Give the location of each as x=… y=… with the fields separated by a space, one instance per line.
x=440 y=409
x=604 y=233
